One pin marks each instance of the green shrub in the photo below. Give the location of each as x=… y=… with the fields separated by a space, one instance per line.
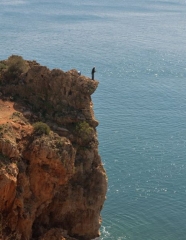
x=41 y=128
x=2 y=66
x=83 y=127
x=83 y=130
x=15 y=66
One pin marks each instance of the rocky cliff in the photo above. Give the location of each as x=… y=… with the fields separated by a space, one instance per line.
x=52 y=181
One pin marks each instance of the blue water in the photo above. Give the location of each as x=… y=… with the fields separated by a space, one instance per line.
x=139 y=50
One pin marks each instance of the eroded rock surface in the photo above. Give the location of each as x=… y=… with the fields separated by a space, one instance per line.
x=52 y=185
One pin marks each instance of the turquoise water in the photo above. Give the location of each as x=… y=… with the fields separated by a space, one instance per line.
x=139 y=50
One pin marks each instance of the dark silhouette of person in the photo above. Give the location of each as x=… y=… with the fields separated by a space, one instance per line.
x=93 y=71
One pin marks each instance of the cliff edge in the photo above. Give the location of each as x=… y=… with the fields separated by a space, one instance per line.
x=52 y=181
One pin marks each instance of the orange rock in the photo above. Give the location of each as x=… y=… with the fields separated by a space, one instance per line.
x=51 y=186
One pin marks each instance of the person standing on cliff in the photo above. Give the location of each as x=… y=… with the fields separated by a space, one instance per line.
x=93 y=71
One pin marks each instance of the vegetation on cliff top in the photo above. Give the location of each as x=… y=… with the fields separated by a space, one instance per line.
x=13 y=67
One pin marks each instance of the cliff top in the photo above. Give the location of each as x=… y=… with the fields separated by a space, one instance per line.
x=61 y=97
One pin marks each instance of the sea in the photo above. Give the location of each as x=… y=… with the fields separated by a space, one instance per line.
x=139 y=50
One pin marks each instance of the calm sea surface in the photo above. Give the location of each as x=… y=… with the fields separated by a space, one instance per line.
x=139 y=50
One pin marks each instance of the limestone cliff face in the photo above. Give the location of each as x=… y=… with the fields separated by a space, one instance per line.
x=52 y=185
